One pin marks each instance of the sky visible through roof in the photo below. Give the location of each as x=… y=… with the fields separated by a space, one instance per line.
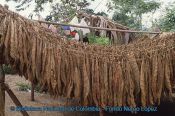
x=98 y=6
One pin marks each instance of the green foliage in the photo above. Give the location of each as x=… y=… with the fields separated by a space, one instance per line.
x=23 y=87
x=27 y=87
x=167 y=23
x=124 y=19
x=98 y=40
x=129 y=12
x=38 y=89
x=66 y=9
x=91 y=11
x=62 y=10
x=24 y=4
x=8 y=69
x=102 y=14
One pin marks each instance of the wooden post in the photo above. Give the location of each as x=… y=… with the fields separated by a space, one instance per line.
x=32 y=92
x=14 y=99
x=2 y=80
x=2 y=91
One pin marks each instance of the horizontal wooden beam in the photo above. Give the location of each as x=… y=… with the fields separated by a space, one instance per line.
x=98 y=28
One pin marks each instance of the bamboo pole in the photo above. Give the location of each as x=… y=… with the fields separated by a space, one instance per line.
x=2 y=91
x=15 y=99
x=98 y=28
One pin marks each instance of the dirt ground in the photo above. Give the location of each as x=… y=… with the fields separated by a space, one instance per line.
x=24 y=98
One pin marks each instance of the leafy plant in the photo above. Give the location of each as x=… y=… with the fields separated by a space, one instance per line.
x=61 y=10
x=27 y=87
x=98 y=40
x=167 y=22
x=23 y=87
x=38 y=89
x=8 y=69
x=130 y=12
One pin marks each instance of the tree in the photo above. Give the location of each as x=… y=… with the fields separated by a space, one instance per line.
x=67 y=9
x=91 y=11
x=102 y=14
x=167 y=22
x=62 y=10
x=130 y=12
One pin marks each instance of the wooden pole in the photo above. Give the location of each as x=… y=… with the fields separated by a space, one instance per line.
x=32 y=92
x=2 y=91
x=15 y=99
x=2 y=80
x=98 y=28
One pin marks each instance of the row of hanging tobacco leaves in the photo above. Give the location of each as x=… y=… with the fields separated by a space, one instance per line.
x=128 y=75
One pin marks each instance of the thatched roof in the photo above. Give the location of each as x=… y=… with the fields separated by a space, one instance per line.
x=124 y=75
